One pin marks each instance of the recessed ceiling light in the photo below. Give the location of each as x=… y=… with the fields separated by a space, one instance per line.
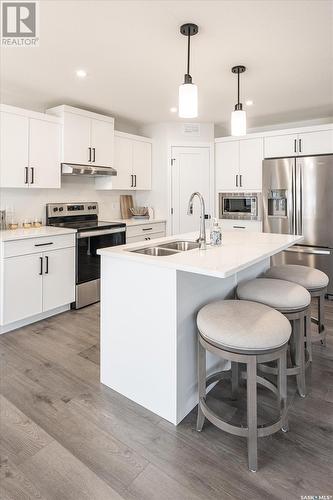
x=249 y=102
x=81 y=73
x=173 y=109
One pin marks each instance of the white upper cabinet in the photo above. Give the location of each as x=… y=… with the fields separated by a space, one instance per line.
x=87 y=137
x=142 y=165
x=44 y=154
x=132 y=161
x=314 y=143
x=14 y=150
x=76 y=139
x=30 y=149
x=251 y=154
x=226 y=165
x=299 y=144
x=281 y=145
x=239 y=165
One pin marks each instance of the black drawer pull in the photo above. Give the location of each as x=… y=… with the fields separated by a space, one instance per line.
x=43 y=244
x=239 y=227
x=148 y=229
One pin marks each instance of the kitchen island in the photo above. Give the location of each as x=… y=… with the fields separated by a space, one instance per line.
x=148 y=313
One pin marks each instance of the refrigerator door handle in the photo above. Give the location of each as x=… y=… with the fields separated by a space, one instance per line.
x=308 y=250
x=299 y=198
x=292 y=204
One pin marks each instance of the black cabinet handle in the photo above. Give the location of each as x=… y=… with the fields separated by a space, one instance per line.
x=26 y=174
x=239 y=227
x=148 y=229
x=295 y=145
x=135 y=181
x=46 y=265
x=132 y=181
x=300 y=145
x=240 y=180
x=94 y=155
x=43 y=244
x=32 y=175
x=89 y=149
x=236 y=180
x=41 y=266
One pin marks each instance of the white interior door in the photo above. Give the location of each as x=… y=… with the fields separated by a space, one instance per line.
x=190 y=173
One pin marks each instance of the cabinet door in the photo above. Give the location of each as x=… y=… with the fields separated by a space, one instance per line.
x=44 y=154
x=279 y=146
x=142 y=164
x=14 y=142
x=123 y=161
x=102 y=143
x=314 y=143
x=58 y=278
x=227 y=166
x=250 y=164
x=76 y=138
x=22 y=287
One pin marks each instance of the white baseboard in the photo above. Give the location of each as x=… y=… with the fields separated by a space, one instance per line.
x=33 y=319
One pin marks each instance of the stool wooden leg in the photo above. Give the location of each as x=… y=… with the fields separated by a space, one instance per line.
x=234 y=379
x=201 y=384
x=300 y=358
x=282 y=385
x=308 y=336
x=252 y=413
x=292 y=343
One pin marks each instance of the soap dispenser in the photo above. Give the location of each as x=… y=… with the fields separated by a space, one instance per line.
x=216 y=234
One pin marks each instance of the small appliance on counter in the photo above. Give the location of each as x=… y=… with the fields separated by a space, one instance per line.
x=92 y=234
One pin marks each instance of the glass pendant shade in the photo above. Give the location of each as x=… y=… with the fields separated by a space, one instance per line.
x=188 y=101
x=238 y=122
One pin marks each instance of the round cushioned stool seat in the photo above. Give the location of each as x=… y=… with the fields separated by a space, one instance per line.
x=243 y=325
x=308 y=277
x=280 y=294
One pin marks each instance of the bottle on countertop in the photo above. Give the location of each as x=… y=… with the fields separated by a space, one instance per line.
x=216 y=234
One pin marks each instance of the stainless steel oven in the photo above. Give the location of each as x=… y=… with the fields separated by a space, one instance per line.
x=91 y=235
x=240 y=206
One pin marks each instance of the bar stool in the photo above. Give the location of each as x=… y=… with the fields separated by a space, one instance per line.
x=315 y=281
x=243 y=332
x=293 y=301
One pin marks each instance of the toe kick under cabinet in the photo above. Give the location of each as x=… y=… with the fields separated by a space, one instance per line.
x=37 y=279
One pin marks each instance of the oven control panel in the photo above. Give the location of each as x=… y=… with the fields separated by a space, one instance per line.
x=63 y=209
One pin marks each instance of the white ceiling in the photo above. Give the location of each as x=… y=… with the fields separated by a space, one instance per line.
x=135 y=58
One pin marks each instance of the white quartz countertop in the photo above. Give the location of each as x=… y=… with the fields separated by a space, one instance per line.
x=139 y=222
x=35 y=232
x=239 y=251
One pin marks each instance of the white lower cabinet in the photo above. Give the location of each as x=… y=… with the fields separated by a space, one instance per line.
x=36 y=282
x=145 y=232
x=22 y=293
x=241 y=225
x=58 y=278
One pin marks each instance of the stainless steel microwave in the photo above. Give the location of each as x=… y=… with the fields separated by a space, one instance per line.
x=240 y=206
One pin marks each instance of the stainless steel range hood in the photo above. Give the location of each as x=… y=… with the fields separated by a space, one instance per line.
x=88 y=170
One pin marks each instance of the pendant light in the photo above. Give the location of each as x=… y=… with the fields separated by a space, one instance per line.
x=238 y=117
x=188 y=92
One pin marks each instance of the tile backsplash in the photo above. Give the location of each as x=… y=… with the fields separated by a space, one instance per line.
x=30 y=203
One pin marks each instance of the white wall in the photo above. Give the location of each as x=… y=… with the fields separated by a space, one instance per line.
x=30 y=203
x=165 y=135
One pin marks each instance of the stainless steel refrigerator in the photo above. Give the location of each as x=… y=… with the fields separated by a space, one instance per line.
x=298 y=199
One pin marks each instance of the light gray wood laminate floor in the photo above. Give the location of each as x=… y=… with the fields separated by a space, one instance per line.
x=66 y=436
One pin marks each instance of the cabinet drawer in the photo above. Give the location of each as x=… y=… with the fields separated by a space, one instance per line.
x=241 y=225
x=145 y=237
x=37 y=245
x=143 y=229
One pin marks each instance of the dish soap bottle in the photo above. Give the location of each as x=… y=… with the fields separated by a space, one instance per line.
x=216 y=234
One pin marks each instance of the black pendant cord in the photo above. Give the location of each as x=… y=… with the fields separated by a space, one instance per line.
x=238 y=89
x=188 y=53
x=238 y=70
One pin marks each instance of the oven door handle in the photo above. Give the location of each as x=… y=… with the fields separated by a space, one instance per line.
x=88 y=234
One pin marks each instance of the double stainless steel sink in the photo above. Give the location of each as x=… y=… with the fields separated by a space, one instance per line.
x=166 y=249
